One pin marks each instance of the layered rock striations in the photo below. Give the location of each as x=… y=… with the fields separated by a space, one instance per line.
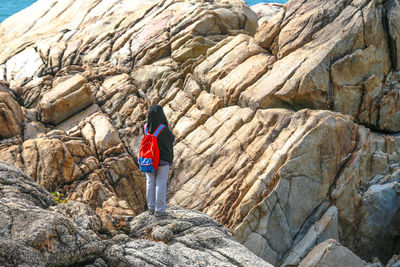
x=286 y=120
x=337 y=55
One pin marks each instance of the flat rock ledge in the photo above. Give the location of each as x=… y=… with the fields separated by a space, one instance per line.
x=183 y=238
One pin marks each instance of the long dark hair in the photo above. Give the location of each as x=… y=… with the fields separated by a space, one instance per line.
x=155 y=118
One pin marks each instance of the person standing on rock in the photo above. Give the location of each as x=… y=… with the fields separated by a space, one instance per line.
x=156 y=182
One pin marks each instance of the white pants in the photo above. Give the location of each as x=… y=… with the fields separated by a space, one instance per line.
x=156 y=188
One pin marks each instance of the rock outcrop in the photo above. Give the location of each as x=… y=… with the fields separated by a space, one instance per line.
x=82 y=112
x=33 y=232
x=185 y=238
x=266 y=11
x=294 y=166
x=287 y=132
x=331 y=253
x=66 y=98
x=335 y=54
x=36 y=232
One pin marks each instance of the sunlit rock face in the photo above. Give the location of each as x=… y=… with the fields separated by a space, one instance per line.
x=74 y=73
x=337 y=54
x=286 y=120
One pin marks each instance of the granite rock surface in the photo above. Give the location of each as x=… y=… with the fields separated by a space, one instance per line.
x=286 y=118
x=37 y=232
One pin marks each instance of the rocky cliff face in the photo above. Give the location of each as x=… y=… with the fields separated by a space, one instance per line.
x=287 y=126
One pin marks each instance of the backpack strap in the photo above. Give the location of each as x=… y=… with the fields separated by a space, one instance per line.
x=159 y=129
x=146 y=132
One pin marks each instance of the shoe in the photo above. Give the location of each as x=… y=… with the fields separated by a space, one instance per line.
x=151 y=211
x=161 y=214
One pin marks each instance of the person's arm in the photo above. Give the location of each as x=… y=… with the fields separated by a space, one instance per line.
x=171 y=136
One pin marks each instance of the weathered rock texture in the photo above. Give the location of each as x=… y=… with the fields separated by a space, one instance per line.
x=11 y=116
x=293 y=167
x=336 y=54
x=266 y=11
x=36 y=232
x=185 y=238
x=287 y=132
x=83 y=112
x=330 y=253
x=66 y=98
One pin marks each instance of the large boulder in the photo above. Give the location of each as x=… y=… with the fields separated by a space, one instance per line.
x=331 y=253
x=49 y=162
x=65 y=100
x=184 y=238
x=33 y=232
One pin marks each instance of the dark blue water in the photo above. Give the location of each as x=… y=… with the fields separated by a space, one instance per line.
x=9 y=7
